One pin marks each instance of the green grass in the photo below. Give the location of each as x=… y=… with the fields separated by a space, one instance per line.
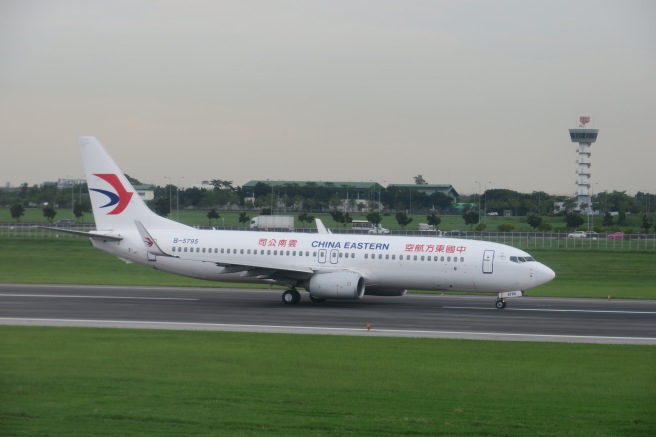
x=598 y=273
x=231 y=219
x=579 y=273
x=105 y=382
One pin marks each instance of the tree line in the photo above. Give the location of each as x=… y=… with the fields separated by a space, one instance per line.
x=311 y=198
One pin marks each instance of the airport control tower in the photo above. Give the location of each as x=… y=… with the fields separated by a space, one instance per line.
x=585 y=137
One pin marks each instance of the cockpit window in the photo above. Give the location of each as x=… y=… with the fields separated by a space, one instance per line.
x=521 y=259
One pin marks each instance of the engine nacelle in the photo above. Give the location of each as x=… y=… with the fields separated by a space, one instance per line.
x=384 y=292
x=336 y=285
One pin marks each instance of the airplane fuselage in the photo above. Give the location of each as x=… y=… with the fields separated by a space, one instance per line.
x=385 y=262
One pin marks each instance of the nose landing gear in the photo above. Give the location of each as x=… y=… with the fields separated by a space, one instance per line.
x=501 y=298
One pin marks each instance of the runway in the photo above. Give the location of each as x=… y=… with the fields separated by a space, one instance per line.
x=413 y=315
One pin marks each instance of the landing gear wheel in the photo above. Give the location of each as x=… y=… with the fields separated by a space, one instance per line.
x=317 y=299
x=291 y=297
x=501 y=304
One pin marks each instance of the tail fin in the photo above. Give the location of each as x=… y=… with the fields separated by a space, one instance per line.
x=115 y=203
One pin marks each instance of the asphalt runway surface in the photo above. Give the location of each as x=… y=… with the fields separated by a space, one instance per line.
x=412 y=315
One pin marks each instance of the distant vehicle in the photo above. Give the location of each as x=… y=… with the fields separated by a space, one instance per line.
x=426 y=227
x=493 y=213
x=591 y=234
x=273 y=222
x=455 y=233
x=64 y=222
x=378 y=229
x=616 y=236
x=364 y=225
x=577 y=234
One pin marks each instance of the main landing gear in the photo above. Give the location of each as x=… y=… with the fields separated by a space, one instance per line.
x=291 y=296
x=501 y=298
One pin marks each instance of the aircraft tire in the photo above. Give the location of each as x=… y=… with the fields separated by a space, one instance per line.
x=291 y=297
x=500 y=304
x=317 y=299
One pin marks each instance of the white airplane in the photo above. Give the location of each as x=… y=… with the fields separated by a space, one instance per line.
x=326 y=265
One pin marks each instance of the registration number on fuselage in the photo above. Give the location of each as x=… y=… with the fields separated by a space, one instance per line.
x=185 y=240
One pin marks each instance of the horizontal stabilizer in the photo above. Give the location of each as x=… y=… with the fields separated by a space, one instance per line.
x=92 y=235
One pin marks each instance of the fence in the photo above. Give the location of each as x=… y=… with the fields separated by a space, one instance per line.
x=523 y=240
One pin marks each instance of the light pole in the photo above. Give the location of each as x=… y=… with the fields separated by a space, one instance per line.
x=177 y=200
x=170 y=199
x=71 y=181
x=479 y=197
x=485 y=197
x=479 y=200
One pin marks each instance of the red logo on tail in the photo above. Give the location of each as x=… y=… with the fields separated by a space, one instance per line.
x=121 y=198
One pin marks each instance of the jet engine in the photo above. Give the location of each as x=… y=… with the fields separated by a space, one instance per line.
x=336 y=285
x=384 y=292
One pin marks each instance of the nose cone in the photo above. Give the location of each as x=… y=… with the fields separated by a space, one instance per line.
x=543 y=274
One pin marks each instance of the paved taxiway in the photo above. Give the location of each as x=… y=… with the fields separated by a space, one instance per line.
x=438 y=316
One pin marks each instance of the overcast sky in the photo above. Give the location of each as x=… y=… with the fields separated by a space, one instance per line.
x=456 y=91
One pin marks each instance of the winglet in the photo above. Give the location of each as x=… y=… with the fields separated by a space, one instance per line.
x=151 y=245
x=321 y=228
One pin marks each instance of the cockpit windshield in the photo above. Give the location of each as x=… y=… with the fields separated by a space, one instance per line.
x=521 y=259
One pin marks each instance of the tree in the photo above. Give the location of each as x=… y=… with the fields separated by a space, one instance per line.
x=211 y=215
x=534 y=221
x=162 y=206
x=505 y=227
x=419 y=180
x=305 y=217
x=402 y=219
x=646 y=223
x=341 y=217
x=17 y=211
x=375 y=218
x=608 y=220
x=80 y=208
x=243 y=217
x=621 y=217
x=471 y=218
x=573 y=220
x=544 y=227
x=49 y=212
x=433 y=219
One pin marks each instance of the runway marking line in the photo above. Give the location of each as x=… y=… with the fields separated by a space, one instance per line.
x=322 y=328
x=547 y=310
x=72 y=296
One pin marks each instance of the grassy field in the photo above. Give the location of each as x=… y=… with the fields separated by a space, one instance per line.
x=121 y=382
x=231 y=219
x=110 y=382
x=588 y=273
